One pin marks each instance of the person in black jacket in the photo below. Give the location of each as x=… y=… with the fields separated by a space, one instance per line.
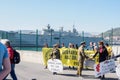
x=103 y=54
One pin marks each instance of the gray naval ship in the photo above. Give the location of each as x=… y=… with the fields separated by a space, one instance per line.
x=48 y=35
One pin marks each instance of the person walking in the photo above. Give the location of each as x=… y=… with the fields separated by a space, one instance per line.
x=81 y=58
x=103 y=54
x=4 y=62
x=11 y=53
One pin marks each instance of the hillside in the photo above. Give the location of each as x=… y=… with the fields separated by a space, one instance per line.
x=116 y=32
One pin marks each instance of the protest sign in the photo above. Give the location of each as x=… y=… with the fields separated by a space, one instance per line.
x=55 y=65
x=104 y=67
x=118 y=70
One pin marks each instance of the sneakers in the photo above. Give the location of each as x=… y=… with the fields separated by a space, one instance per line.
x=45 y=67
x=102 y=77
x=79 y=75
x=54 y=73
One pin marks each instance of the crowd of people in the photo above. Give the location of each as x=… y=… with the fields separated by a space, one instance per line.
x=104 y=51
x=8 y=67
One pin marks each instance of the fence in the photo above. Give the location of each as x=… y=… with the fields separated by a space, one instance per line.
x=22 y=40
x=34 y=40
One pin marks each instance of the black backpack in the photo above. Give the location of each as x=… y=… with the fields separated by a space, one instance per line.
x=16 y=57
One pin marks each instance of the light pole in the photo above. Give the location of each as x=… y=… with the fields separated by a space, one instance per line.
x=102 y=36
x=20 y=39
x=51 y=37
x=112 y=37
x=83 y=35
x=109 y=39
x=37 y=40
x=59 y=37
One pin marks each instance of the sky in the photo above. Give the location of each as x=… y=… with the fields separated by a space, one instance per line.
x=86 y=15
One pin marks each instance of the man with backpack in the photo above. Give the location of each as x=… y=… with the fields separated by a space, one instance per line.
x=11 y=56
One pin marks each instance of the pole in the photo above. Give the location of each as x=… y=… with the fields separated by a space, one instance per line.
x=112 y=37
x=37 y=40
x=83 y=35
x=2 y=35
x=51 y=38
x=59 y=37
x=102 y=36
x=6 y=35
x=109 y=38
x=20 y=39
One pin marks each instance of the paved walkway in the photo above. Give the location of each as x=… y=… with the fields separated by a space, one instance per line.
x=35 y=71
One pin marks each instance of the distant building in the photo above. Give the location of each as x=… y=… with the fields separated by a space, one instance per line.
x=115 y=39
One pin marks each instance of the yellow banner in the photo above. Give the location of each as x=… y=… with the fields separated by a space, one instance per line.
x=69 y=56
x=46 y=54
x=64 y=56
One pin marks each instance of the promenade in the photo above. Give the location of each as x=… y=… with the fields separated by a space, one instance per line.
x=29 y=71
x=31 y=68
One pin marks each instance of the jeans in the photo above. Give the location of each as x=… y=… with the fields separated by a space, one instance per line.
x=12 y=73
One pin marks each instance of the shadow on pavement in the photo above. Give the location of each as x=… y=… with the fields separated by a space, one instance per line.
x=89 y=77
x=66 y=68
x=93 y=77
x=70 y=75
x=110 y=79
x=88 y=69
x=34 y=79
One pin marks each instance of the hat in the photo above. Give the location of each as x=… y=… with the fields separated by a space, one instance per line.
x=4 y=41
x=82 y=43
x=55 y=45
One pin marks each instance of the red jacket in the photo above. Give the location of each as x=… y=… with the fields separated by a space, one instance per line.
x=10 y=52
